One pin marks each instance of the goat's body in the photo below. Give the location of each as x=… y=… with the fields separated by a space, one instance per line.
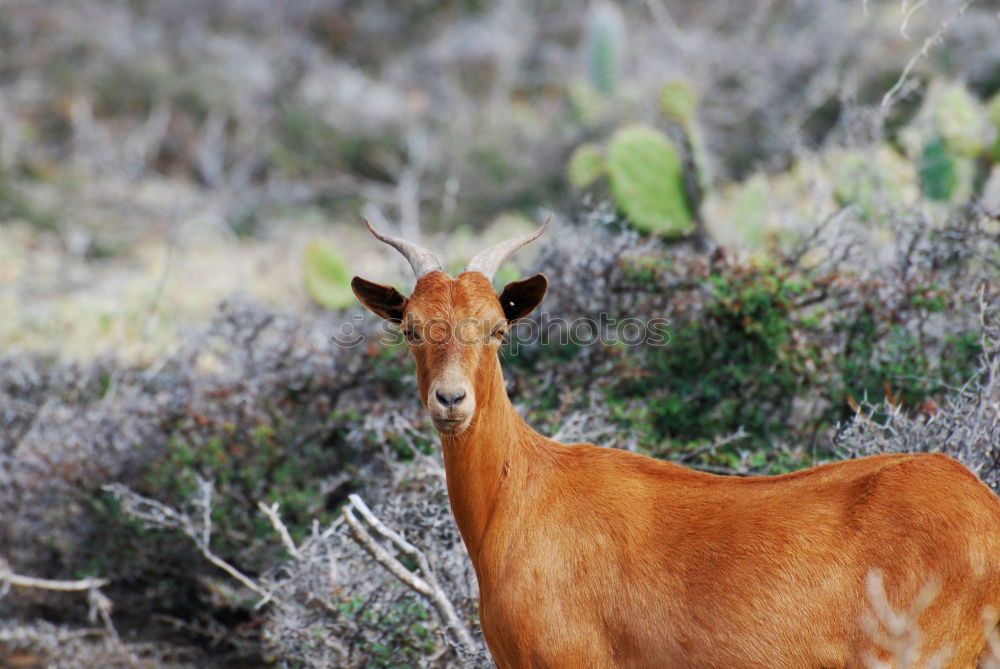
x=591 y=558
x=610 y=559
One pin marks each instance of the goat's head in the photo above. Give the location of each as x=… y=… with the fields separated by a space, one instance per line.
x=453 y=326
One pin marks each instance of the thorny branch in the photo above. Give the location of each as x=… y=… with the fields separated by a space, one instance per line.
x=271 y=512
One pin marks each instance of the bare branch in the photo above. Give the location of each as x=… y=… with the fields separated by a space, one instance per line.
x=286 y=538
x=893 y=94
x=100 y=604
x=427 y=585
x=714 y=445
x=8 y=578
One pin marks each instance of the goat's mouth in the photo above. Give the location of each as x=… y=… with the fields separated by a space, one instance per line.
x=451 y=425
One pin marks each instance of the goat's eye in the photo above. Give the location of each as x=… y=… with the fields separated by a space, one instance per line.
x=411 y=335
x=499 y=332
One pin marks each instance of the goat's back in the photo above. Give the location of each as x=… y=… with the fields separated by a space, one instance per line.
x=637 y=562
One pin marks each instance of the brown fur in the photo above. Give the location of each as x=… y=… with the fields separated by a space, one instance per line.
x=592 y=557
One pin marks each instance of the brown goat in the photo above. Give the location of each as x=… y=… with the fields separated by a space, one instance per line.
x=593 y=557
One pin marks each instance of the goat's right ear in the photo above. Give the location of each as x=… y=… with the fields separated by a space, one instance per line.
x=383 y=300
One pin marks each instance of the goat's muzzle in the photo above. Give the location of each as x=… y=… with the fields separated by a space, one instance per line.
x=451 y=407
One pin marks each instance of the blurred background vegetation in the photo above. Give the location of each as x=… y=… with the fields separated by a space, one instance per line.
x=807 y=189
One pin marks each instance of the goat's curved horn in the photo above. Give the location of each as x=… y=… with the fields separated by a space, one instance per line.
x=489 y=261
x=421 y=259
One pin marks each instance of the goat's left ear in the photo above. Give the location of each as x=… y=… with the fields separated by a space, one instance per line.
x=519 y=298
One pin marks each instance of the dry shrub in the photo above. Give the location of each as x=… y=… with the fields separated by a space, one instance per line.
x=965 y=425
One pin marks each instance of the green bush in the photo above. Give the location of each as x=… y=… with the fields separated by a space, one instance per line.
x=776 y=350
x=404 y=637
x=741 y=345
x=769 y=338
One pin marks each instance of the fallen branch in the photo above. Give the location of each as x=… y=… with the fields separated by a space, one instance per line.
x=10 y=579
x=99 y=603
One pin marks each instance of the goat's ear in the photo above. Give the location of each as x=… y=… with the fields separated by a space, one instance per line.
x=383 y=300
x=519 y=298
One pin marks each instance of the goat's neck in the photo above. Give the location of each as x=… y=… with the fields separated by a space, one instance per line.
x=477 y=461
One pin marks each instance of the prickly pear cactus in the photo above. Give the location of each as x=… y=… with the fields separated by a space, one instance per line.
x=604 y=45
x=586 y=165
x=679 y=102
x=993 y=115
x=327 y=278
x=750 y=209
x=877 y=180
x=938 y=172
x=587 y=105
x=647 y=181
x=960 y=122
x=993 y=110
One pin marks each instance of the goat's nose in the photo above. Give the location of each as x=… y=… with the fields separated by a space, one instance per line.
x=450 y=398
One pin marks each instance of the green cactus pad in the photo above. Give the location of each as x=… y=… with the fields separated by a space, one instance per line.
x=679 y=102
x=586 y=165
x=751 y=203
x=327 y=279
x=993 y=114
x=993 y=110
x=605 y=45
x=877 y=180
x=647 y=181
x=959 y=120
x=938 y=175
